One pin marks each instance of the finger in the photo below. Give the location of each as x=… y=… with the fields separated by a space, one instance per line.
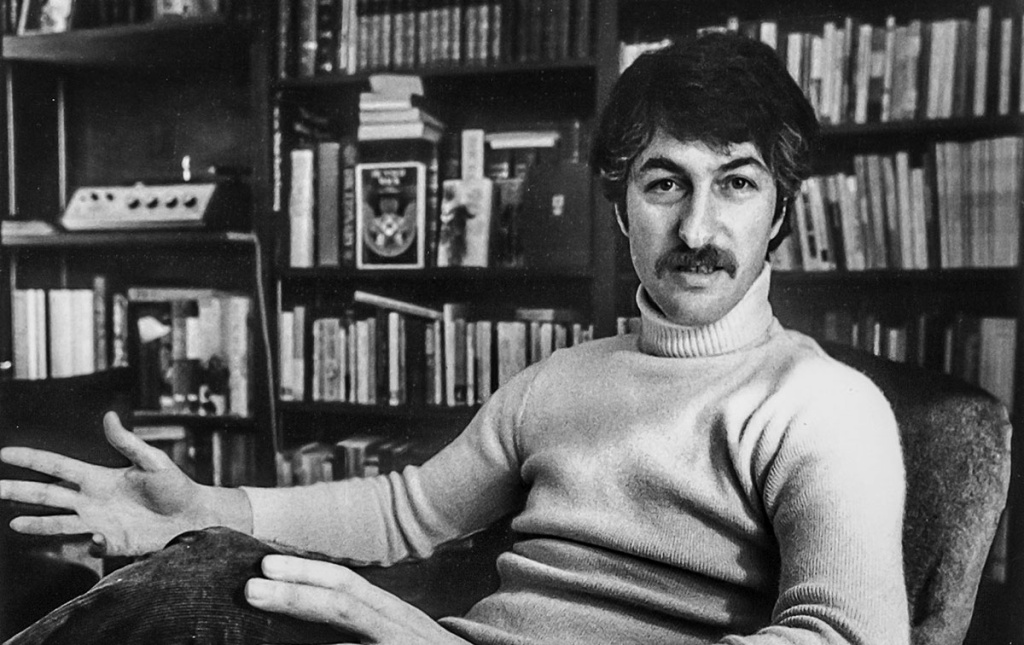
x=310 y=603
x=98 y=545
x=131 y=446
x=38 y=493
x=287 y=568
x=49 y=525
x=48 y=463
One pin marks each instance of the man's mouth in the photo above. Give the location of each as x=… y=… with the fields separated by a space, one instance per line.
x=703 y=261
x=701 y=269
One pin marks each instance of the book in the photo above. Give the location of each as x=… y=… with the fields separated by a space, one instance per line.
x=395 y=304
x=556 y=217
x=349 y=157
x=982 y=45
x=301 y=204
x=328 y=202
x=327 y=23
x=306 y=37
x=391 y=216
x=61 y=333
x=403 y=115
x=511 y=350
x=467 y=207
x=398 y=130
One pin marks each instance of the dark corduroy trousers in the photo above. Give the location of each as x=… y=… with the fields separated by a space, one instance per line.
x=189 y=592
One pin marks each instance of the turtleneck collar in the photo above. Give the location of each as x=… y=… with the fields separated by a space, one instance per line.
x=744 y=325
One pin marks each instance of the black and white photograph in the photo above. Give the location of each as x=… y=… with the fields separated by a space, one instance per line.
x=512 y=322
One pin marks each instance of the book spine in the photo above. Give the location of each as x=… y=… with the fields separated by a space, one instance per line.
x=326 y=56
x=300 y=207
x=101 y=323
x=284 y=40
x=306 y=37
x=20 y=334
x=327 y=203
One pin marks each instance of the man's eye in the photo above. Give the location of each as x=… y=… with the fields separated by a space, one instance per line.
x=739 y=183
x=664 y=185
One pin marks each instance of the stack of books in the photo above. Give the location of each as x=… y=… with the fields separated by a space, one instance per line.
x=392 y=109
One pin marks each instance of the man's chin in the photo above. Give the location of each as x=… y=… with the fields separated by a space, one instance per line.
x=697 y=308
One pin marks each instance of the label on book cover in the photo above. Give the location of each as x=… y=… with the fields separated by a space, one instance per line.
x=392 y=215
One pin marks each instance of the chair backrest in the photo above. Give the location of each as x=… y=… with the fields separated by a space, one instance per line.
x=956 y=445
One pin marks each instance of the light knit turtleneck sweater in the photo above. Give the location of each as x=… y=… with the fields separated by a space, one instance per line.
x=727 y=484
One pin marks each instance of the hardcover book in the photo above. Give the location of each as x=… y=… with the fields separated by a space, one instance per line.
x=391 y=197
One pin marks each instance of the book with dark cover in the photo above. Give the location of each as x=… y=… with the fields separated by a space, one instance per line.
x=556 y=217
x=326 y=56
x=285 y=44
x=390 y=222
x=426 y=152
x=348 y=158
x=327 y=203
x=306 y=37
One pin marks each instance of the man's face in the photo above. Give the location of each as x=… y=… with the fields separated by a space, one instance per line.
x=699 y=225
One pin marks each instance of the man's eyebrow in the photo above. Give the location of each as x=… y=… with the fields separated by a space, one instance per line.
x=739 y=162
x=661 y=163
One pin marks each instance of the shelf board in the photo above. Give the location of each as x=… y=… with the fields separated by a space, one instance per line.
x=214 y=41
x=440 y=275
x=443 y=74
x=946 y=279
x=194 y=421
x=129 y=239
x=954 y=128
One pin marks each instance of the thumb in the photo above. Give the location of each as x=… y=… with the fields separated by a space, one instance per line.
x=135 y=449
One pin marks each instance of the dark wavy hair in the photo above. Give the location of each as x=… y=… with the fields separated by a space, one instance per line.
x=719 y=89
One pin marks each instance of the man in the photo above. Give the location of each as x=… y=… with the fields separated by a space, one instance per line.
x=713 y=479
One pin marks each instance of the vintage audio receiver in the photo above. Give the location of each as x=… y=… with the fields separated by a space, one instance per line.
x=193 y=205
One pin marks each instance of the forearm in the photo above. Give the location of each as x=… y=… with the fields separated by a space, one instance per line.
x=220 y=506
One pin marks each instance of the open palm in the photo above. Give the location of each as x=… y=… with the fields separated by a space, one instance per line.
x=131 y=511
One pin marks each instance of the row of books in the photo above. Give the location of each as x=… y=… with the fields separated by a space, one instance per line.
x=444 y=356
x=976 y=349
x=213 y=457
x=956 y=206
x=856 y=72
x=68 y=332
x=318 y=37
x=382 y=203
x=360 y=455
x=192 y=350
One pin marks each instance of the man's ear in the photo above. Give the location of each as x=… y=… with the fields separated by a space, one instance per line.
x=623 y=226
x=780 y=217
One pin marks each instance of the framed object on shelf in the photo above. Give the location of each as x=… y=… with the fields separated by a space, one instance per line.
x=391 y=218
x=45 y=16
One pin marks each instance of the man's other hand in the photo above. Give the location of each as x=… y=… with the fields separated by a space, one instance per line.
x=129 y=511
x=335 y=595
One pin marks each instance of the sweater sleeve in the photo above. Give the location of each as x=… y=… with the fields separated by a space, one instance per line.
x=830 y=473
x=469 y=484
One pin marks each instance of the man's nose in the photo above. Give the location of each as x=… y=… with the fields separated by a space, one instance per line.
x=696 y=219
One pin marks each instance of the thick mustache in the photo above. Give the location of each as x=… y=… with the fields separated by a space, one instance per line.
x=705 y=256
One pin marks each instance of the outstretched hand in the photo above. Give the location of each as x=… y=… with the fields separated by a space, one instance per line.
x=129 y=511
x=324 y=592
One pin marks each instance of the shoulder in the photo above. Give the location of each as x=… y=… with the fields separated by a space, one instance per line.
x=819 y=405
x=815 y=379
